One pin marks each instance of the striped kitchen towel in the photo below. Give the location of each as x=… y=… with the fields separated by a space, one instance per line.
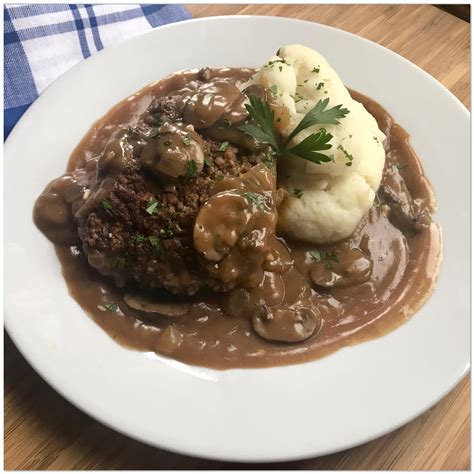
x=41 y=42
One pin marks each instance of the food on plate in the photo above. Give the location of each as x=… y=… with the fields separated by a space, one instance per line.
x=339 y=186
x=234 y=217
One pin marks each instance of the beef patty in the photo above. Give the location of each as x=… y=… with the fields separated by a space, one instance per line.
x=139 y=229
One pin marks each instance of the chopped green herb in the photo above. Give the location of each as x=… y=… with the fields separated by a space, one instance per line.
x=111 y=307
x=273 y=61
x=349 y=157
x=320 y=86
x=315 y=70
x=333 y=256
x=152 y=207
x=306 y=80
x=256 y=199
x=280 y=68
x=191 y=171
x=269 y=159
x=224 y=146
x=207 y=161
x=376 y=139
x=106 y=204
x=317 y=255
x=278 y=120
x=328 y=265
x=156 y=244
x=274 y=89
x=139 y=238
x=154 y=132
x=166 y=233
x=298 y=192
x=219 y=177
x=187 y=139
x=401 y=166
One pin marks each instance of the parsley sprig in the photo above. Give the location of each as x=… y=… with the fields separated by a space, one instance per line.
x=262 y=129
x=257 y=199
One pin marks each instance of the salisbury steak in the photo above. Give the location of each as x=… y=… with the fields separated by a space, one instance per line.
x=142 y=229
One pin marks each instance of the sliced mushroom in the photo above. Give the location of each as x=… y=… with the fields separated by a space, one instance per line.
x=116 y=154
x=236 y=228
x=163 y=307
x=255 y=90
x=171 y=153
x=53 y=216
x=405 y=213
x=279 y=260
x=53 y=213
x=219 y=224
x=286 y=324
x=211 y=102
x=349 y=267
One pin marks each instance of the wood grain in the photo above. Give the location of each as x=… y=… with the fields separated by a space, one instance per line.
x=43 y=431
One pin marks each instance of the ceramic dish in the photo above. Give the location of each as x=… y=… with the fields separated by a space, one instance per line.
x=271 y=414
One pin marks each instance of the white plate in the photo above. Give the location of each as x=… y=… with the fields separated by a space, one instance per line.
x=282 y=413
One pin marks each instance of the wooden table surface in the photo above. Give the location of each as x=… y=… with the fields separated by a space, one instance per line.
x=43 y=431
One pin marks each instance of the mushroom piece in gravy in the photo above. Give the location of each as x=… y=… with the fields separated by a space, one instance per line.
x=159 y=306
x=165 y=195
x=171 y=153
x=347 y=266
x=285 y=324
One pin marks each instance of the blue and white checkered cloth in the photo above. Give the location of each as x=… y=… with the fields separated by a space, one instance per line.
x=41 y=42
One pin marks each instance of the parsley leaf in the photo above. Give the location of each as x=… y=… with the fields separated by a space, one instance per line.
x=152 y=207
x=191 y=171
x=333 y=256
x=224 y=146
x=154 y=132
x=263 y=128
x=166 y=233
x=309 y=148
x=207 y=161
x=318 y=115
x=317 y=255
x=139 y=238
x=106 y=204
x=298 y=192
x=269 y=159
x=111 y=307
x=349 y=157
x=256 y=199
x=187 y=139
x=328 y=265
x=156 y=244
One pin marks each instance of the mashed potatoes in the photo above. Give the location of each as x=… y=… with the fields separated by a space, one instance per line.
x=326 y=200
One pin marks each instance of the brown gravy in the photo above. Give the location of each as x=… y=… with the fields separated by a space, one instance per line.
x=217 y=331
